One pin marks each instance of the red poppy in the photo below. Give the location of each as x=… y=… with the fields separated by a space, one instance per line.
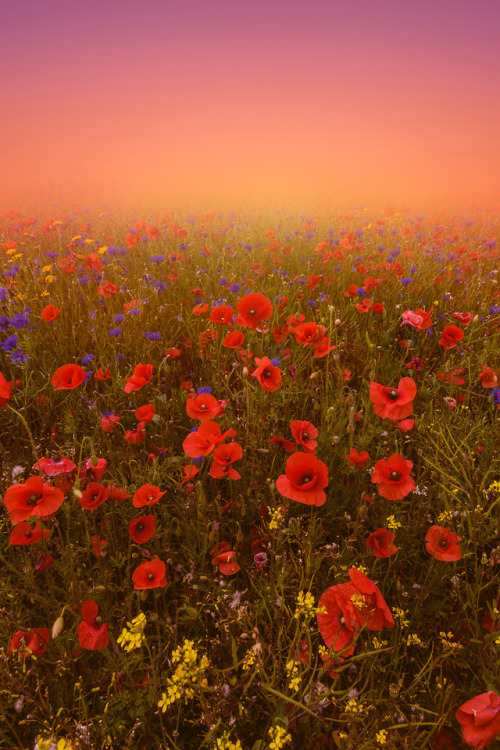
x=268 y=375
x=173 y=352
x=450 y=337
x=378 y=308
x=23 y=534
x=222 y=314
x=392 y=403
x=98 y=545
x=338 y=622
x=286 y=444
x=68 y=377
x=94 y=470
x=307 y=333
x=147 y=494
x=93 y=496
x=393 y=477
x=234 y=340
x=323 y=347
x=115 y=493
x=480 y=719
x=56 y=466
x=253 y=308
x=141 y=377
x=145 y=413
x=304 y=432
x=150 y=575
x=103 y=373
x=32 y=642
x=92 y=635
x=357 y=459
x=382 y=543
x=406 y=425
x=487 y=622
x=463 y=318
x=33 y=498
x=5 y=390
x=142 y=529
x=224 y=456
x=205 y=439
x=134 y=437
x=50 y=313
x=189 y=471
x=419 y=319
x=200 y=309
x=489 y=377
x=304 y=479
x=443 y=544
x=204 y=406
x=374 y=612
x=108 y=424
x=224 y=558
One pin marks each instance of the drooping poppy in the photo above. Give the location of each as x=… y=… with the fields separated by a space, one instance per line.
x=92 y=635
x=23 y=534
x=357 y=458
x=32 y=642
x=108 y=424
x=150 y=575
x=224 y=558
x=145 y=413
x=103 y=373
x=304 y=479
x=393 y=477
x=94 y=468
x=222 y=315
x=252 y=309
x=223 y=457
x=488 y=377
x=393 y=403
x=32 y=498
x=142 y=376
x=234 y=340
x=55 y=466
x=443 y=544
x=68 y=377
x=205 y=439
x=5 y=390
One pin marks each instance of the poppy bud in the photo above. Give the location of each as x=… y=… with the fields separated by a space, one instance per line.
x=475 y=319
x=58 y=627
x=350 y=429
x=244 y=372
x=338 y=322
x=394 y=690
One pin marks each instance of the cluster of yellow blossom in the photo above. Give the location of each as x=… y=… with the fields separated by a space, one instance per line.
x=279 y=738
x=188 y=675
x=305 y=606
x=276 y=520
x=133 y=637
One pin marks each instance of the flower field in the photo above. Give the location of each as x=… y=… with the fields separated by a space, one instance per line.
x=250 y=480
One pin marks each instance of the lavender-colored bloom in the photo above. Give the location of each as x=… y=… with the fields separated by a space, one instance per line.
x=274 y=361
x=222 y=281
x=407 y=280
x=9 y=344
x=152 y=336
x=157 y=259
x=235 y=288
x=4 y=293
x=18 y=357
x=19 y=321
x=87 y=358
x=114 y=332
x=204 y=389
x=361 y=291
x=311 y=303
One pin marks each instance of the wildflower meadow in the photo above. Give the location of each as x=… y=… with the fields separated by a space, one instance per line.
x=250 y=480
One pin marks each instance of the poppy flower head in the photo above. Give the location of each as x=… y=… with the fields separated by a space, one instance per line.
x=222 y=315
x=234 y=340
x=304 y=479
x=92 y=635
x=204 y=407
x=303 y=433
x=50 y=313
x=55 y=466
x=150 y=575
x=23 y=534
x=253 y=308
x=142 y=376
x=32 y=642
x=268 y=375
x=443 y=544
x=480 y=719
x=381 y=543
x=393 y=403
x=225 y=558
x=93 y=496
x=68 y=377
x=450 y=337
x=142 y=529
x=357 y=458
x=147 y=494
x=5 y=390
x=145 y=413
x=33 y=498
x=393 y=477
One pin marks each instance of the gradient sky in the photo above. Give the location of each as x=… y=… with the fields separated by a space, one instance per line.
x=262 y=101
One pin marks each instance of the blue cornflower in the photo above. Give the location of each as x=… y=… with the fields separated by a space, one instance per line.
x=19 y=320
x=311 y=303
x=3 y=293
x=114 y=332
x=152 y=336
x=275 y=362
x=204 y=389
x=407 y=280
x=119 y=318
x=87 y=358
x=235 y=288
x=361 y=291
x=51 y=254
x=136 y=311
x=9 y=344
x=157 y=259
x=18 y=357
x=197 y=460
x=222 y=281
x=160 y=286
x=496 y=395
x=12 y=271
x=84 y=279
x=4 y=323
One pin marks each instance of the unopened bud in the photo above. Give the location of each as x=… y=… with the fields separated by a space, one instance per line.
x=338 y=322
x=58 y=627
x=475 y=319
x=244 y=372
x=350 y=429
x=313 y=375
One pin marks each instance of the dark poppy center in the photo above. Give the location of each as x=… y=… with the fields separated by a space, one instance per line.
x=150 y=499
x=395 y=476
x=33 y=499
x=140 y=526
x=28 y=534
x=252 y=312
x=267 y=374
x=307 y=479
x=393 y=395
x=443 y=543
x=151 y=576
x=203 y=407
x=305 y=436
